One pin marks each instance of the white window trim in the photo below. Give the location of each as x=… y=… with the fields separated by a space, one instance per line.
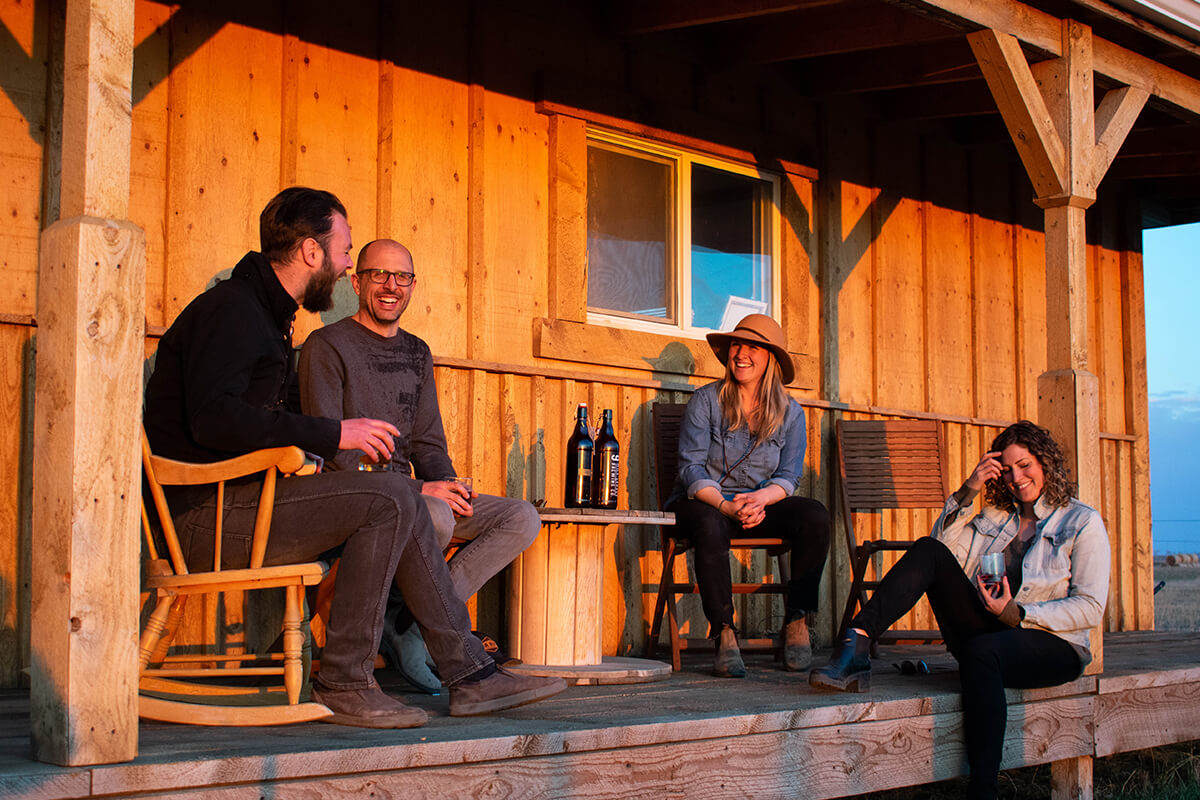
x=682 y=281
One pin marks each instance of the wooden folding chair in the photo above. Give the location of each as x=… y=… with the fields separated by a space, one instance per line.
x=668 y=418
x=886 y=464
x=166 y=694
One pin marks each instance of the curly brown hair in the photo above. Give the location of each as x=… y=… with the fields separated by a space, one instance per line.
x=1058 y=488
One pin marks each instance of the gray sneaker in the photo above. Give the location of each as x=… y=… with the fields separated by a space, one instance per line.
x=500 y=690
x=406 y=651
x=367 y=708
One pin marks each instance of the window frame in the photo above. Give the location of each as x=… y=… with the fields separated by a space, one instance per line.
x=680 y=280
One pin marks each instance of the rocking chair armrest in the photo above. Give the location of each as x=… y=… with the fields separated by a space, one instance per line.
x=308 y=574
x=183 y=473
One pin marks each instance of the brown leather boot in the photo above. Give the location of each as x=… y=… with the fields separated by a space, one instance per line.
x=797 y=644
x=728 y=663
x=367 y=708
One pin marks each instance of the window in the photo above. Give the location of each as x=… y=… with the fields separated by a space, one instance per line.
x=676 y=239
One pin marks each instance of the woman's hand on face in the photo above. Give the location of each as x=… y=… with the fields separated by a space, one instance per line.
x=987 y=469
x=995 y=597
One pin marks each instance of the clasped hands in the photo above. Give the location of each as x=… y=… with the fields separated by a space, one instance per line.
x=748 y=508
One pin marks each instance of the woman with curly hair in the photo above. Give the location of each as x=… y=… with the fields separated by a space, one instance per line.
x=1030 y=629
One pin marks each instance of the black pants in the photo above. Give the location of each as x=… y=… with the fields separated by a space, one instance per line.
x=990 y=654
x=800 y=520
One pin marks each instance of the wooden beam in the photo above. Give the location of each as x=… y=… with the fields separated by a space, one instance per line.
x=830 y=31
x=664 y=15
x=97 y=109
x=934 y=64
x=948 y=101
x=1077 y=123
x=1134 y=167
x=1043 y=31
x=1114 y=118
x=86 y=475
x=1024 y=110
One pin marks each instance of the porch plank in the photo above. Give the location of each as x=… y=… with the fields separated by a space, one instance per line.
x=768 y=735
x=1146 y=717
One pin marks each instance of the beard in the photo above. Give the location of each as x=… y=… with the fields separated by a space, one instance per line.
x=318 y=294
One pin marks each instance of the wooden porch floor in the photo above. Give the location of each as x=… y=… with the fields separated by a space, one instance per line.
x=693 y=735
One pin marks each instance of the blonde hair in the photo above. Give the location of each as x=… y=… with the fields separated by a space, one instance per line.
x=773 y=401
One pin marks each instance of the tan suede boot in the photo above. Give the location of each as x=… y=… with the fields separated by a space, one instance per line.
x=728 y=663
x=797 y=644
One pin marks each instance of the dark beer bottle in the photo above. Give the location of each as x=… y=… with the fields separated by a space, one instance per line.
x=578 y=487
x=606 y=471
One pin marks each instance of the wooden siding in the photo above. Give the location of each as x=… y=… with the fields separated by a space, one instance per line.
x=913 y=269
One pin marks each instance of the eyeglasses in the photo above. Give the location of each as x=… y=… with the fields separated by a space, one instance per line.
x=380 y=277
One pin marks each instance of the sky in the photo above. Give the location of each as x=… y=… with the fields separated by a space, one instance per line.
x=1171 y=257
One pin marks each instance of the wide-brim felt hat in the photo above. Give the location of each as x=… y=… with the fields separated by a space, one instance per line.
x=757 y=329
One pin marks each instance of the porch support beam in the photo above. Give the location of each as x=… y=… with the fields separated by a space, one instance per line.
x=1067 y=146
x=1043 y=31
x=86 y=475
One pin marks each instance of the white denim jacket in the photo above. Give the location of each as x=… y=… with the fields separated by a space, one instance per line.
x=1064 y=583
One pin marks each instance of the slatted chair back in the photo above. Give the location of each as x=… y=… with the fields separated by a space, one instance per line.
x=668 y=421
x=886 y=464
x=166 y=694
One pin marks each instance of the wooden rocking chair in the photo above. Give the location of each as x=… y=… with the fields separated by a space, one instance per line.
x=165 y=694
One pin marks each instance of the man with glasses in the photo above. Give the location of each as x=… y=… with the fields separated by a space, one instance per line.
x=367 y=365
x=221 y=386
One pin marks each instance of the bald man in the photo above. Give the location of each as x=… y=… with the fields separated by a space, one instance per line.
x=367 y=365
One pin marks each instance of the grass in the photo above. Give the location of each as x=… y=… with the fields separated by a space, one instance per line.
x=1163 y=773
x=1177 y=604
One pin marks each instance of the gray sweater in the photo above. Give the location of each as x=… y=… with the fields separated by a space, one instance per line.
x=348 y=371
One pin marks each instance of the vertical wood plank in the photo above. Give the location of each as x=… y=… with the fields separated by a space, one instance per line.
x=16 y=412
x=568 y=218
x=423 y=173
x=847 y=239
x=995 y=324
x=32 y=65
x=150 y=141
x=230 y=81
x=1029 y=323
x=948 y=287
x=898 y=300
x=1133 y=312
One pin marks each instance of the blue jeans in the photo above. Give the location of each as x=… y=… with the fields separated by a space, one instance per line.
x=499 y=531
x=383 y=533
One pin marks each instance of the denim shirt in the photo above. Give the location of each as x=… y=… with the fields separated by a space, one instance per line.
x=707 y=449
x=1064 y=585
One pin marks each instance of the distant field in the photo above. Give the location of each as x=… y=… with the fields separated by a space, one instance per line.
x=1177 y=604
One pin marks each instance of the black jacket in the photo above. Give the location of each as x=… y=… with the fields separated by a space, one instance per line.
x=224 y=374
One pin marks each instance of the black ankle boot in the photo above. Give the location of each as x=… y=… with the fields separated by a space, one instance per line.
x=850 y=668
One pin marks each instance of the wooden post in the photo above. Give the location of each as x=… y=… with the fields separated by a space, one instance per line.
x=86 y=477
x=1071 y=779
x=1066 y=145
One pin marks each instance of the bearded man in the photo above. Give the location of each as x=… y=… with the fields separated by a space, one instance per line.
x=224 y=385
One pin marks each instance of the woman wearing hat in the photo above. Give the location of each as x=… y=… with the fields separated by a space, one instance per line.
x=741 y=452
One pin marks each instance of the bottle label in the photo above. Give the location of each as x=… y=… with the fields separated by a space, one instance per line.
x=612 y=477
